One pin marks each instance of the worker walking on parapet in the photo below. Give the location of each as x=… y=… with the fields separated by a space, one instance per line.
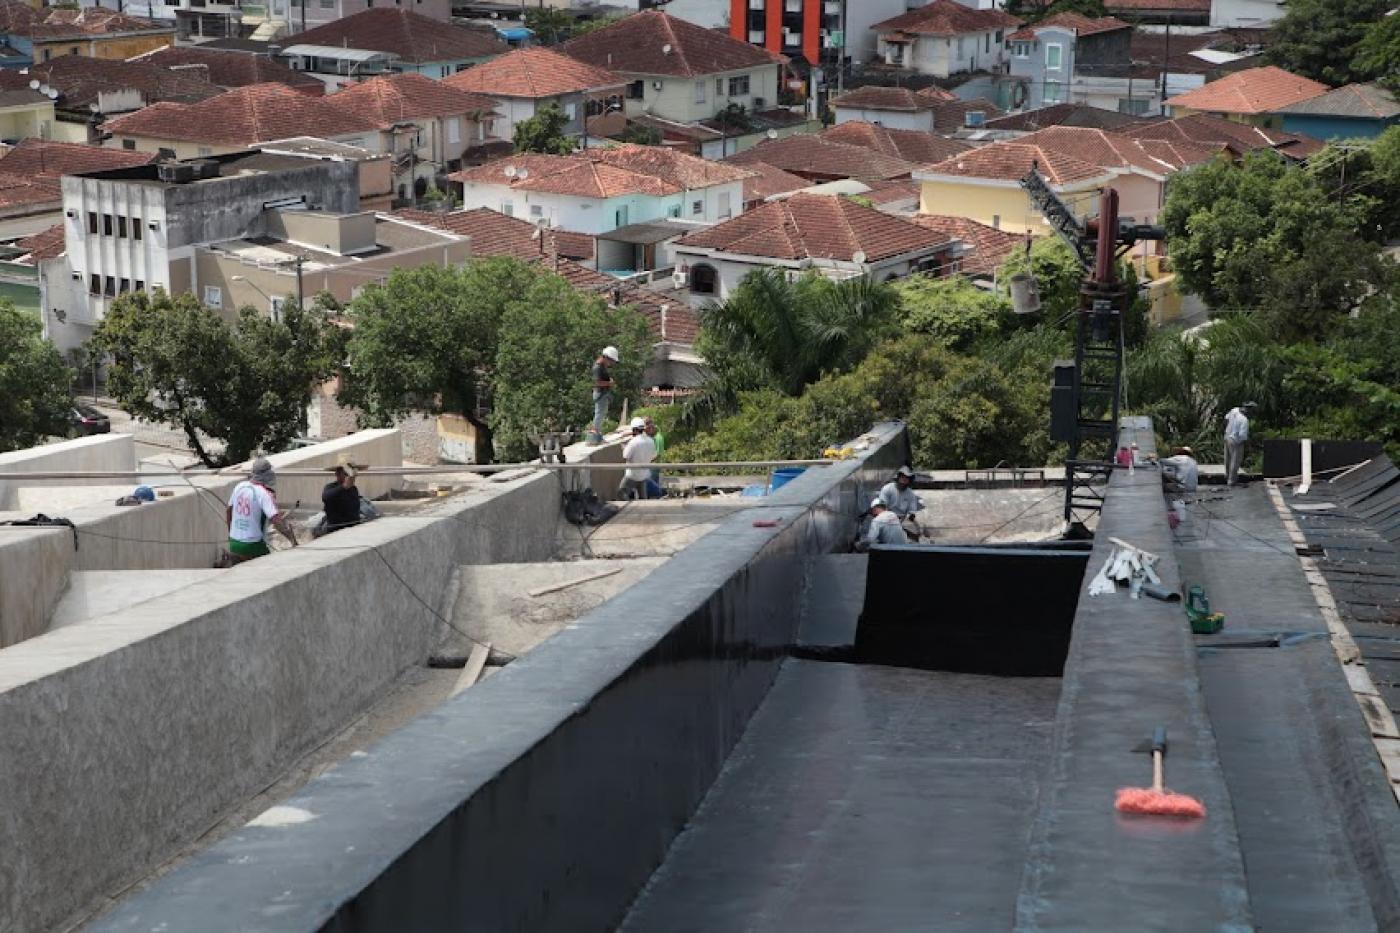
x=898 y=496
x=640 y=450
x=602 y=391
x=1236 y=436
x=251 y=508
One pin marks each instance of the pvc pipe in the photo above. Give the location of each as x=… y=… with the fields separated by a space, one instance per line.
x=1306 y=484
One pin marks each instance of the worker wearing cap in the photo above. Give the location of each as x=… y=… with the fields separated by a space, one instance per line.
x=1236 y=436
x=251 y=508
x=341 y=501
x=899 y=497
x=1180 y=473
x=602 y=391
x=884 y=526
x=639 y=450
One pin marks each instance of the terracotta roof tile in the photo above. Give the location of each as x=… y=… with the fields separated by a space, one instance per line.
x=768 y=180
x=533 y=73
x=909 y=145
x=813 y=226
x=1206 y=130
x=1254 y=90
x=636 y=44
x=893 y=192
x=47 y=160
x=391 y=99
x=242 y=117
x=1116 y=151
x=495 y=234
x=669 y=164
x=934 y=92
x=573 y=175
x=876 y=97
x=46 y=244
x=986 y=247
x=949 y=116
x=815 y=157
x=18 y=191
x=89 y=23
x=946 y=18
x=232 y=69
x=1012 y=160
x=79 y=80
x=411 y=36
x=1078 y=23
x=1061 y=115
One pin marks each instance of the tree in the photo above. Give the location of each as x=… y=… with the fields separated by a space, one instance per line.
x=735 y=118
x=781 y=334
x=36 y=394
x=1319 y=39
x=641 y=135
x=951 y=309
x=246 y=383
x=1057 y=273
x=544 y=132
x=549 y=24
x=1377 y=55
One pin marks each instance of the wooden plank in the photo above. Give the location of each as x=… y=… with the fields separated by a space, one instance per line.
x=568 y=583
x=476 y=663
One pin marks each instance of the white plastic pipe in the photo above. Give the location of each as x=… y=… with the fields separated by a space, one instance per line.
x=1306 y=484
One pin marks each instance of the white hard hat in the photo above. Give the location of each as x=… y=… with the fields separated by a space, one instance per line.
x=877 y=502
x=904 y=471
x=638 y=424
x=611 y=353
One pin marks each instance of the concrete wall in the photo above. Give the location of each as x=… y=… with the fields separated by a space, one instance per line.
x=920 y=121
x=544 y=797
x=99 y=452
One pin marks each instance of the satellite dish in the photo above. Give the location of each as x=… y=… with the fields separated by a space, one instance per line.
x=522 y=174
x=666 y=49
x=510 y=171
x=52 y=94
x=858 y=256
x=34 y=84
x=771 y=134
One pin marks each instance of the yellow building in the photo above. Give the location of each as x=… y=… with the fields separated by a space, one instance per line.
x=985 y=185
x=1252 y=96
x=25 y=114
x=95 y=32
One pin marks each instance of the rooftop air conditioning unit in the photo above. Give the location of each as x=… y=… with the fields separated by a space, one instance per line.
x=175 y=173
x=680 y=278
x=759 y=102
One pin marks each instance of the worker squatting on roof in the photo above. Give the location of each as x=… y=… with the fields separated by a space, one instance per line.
x=251 y=508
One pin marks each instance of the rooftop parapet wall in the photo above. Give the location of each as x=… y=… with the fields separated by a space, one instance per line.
x=544 y=797
x=98 y=452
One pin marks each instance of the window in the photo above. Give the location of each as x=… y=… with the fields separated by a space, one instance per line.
x=328 y=4
x=571 y=111
x=996 y=221
x=1054 y=53
x=697 y=208
x=636 y=90
x=123 y=286
x=508 y=208
x=620 y=217
x=960 y=46
x=987 y=42
x=109 y=286
x=95 y=284
x=999 y=36
x=699 y=92
x=454 y=130
x=1021 y=49
x=724 y=209
x=73 y=51
x=48 y=54
x=704 y=280
x=536 y=211
x=92 y=222
x=128 y=144
x=1054 y=92
x=136 y=228
x=140 y=285
x=719 y=88
x=213 y=297
x=674 y=210
x=204 y=151
x=739 y=87
x=121 y=227
x=1136 y=106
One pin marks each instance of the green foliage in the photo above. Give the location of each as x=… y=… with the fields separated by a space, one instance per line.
x=544 y=132
x=641 y=135
x=35 y=386
x=781 y=334
x=1033 y=11
x=550 y=25
x=1057 y=274
x=734 y=119
x=1319 y=39
x=1377 y=55
x=436 y=199
x=1266 y=235
x=1367 y=174
x=951 y=309
x=246 y=383
x=497 y=333
x=550 y=334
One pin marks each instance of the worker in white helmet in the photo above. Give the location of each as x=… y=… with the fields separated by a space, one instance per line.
x=639 y=450
x=602 y=391
x=884 y=527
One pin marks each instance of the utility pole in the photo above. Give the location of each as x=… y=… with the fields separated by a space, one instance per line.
x=301 y=297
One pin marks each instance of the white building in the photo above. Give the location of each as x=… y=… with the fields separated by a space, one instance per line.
x=945 y=38
x=1235 y=14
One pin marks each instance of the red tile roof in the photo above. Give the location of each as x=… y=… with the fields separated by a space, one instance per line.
x=232 y=69
x=391 y=99
x=1254 y=90
x=986 y=247
x=411 y=36
x=949 y=116
x=241 y=117
x=875 y=97
x=93 y=22
x=946 y=18
x=46 y=244
x=1012 y=160
x=669 y=164
x=893 y=192
x=638 y=44
x=533 y=73
x=572 y=175
x=44 y=159
x=768 y=180
x=1240 y=138
x=1065 y=114
x=934 y=92
x=1116 y=151
x=909 y=145
x=495 y=234
x=814 y=226
x=820 y=159
x=1077 y=23
x=18 y=191
x=79 y=81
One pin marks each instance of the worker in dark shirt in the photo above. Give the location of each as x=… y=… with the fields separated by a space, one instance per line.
x=341 y=500
x=602 y=391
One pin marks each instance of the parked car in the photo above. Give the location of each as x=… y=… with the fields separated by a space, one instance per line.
x=86 y=420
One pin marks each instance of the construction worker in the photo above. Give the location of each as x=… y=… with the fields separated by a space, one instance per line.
x=640 y=450
x=654 y=490
x=884 y=527
x=341 y=501
x=898 y=496
x=602 y=391
x=1180 y=471
x=1236 y=436
x=251 y=507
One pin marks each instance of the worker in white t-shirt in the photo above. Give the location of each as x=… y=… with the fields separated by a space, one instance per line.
x=251 y=508
x=641 y=449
